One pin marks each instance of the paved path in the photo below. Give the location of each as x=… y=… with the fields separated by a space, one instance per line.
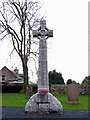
x=67 y=114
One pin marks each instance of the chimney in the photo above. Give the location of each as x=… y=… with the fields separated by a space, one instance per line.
x=12 y=68
x=16 y=70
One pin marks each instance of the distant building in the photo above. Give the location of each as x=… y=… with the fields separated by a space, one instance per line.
x=9 y=76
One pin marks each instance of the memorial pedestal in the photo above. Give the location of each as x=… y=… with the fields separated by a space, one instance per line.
x=43 y=103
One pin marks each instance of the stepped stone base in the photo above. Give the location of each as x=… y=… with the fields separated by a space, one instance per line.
x=43 y=103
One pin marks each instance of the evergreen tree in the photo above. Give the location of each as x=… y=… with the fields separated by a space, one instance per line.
x=55 y=77
x=86 y=81
x=69 y=81
x=74 y=81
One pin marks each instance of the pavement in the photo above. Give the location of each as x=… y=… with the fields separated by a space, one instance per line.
x=19 y=113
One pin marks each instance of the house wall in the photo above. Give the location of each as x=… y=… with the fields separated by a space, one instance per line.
x=9 y=75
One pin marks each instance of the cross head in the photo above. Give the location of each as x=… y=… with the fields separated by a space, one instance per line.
x=43 y=31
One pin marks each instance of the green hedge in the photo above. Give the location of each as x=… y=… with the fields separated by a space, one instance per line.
x=11 y=88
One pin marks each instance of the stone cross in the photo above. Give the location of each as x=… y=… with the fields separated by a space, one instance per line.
x=43 y=33
x=43 y=101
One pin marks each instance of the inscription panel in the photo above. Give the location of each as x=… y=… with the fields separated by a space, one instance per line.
x=42 y=98
x=44 y=107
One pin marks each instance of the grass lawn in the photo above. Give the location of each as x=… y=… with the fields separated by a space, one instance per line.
x=14 y=100
x=19 y=100
x=83 y=99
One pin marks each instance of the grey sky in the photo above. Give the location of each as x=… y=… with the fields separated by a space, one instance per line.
x=68 y=49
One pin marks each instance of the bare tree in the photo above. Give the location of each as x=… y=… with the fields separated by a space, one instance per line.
x=17 y=19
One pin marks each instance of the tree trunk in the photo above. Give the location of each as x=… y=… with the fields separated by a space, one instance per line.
x=25 y=73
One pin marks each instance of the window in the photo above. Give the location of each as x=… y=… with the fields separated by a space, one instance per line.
x=3 y=77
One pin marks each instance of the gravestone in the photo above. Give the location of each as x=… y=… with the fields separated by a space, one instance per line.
x=43 y=101
x=73 y=94
x=29 y=91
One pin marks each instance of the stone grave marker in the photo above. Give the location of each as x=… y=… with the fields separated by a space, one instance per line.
x=43 y=101
x=29 y=91
x=73 y=94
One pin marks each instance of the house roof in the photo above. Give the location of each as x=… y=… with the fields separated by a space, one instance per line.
x=21 y=75
x=18 y=77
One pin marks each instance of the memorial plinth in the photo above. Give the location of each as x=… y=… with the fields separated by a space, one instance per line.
x=43 y=101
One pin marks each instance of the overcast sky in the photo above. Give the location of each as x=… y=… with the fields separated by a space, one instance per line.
x=68 y=49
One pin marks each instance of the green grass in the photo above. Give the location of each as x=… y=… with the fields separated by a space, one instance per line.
x=14 y=100
x=83 y=99
x=19 y=100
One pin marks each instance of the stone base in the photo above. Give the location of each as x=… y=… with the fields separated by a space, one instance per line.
x=43 y=103
x=73 y=102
